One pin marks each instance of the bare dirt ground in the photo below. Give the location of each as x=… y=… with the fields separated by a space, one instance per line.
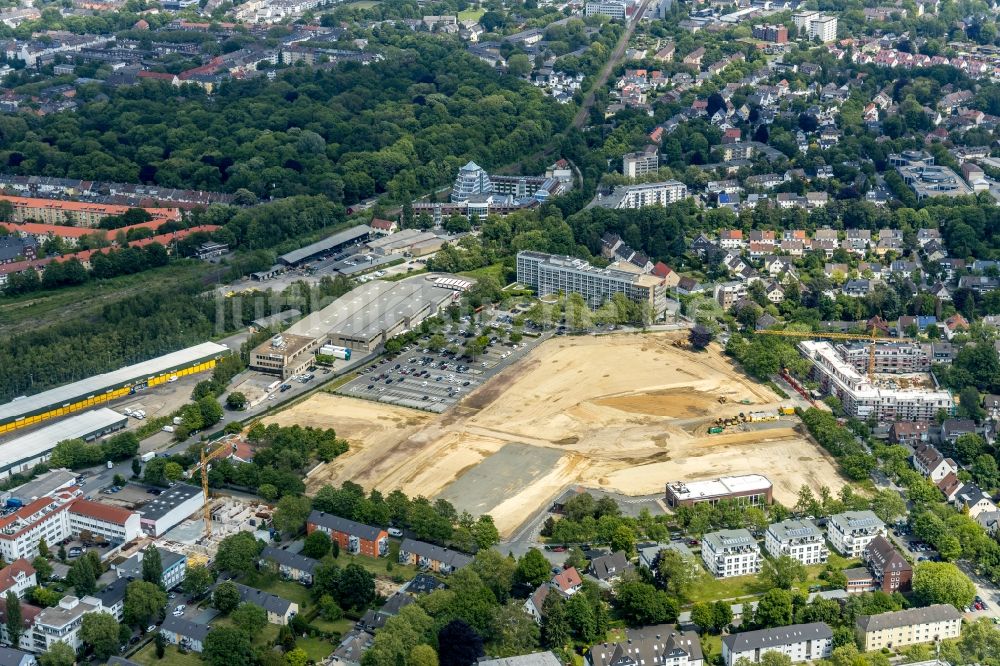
x=625 y=413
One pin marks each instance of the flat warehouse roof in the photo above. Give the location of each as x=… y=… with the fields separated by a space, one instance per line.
x=169 y=500
x=44 y=439
x=346 y=236
x=370 y=308
x=99 y=383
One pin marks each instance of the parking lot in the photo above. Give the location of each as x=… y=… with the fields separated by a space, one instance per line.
x=434 y=380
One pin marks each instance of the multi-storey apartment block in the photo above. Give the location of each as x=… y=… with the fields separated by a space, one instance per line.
x=888 y=567
x=639 y=164
x=801 y=642
x=646 y=194
x=908 y=627
x=851 y=532
x=730 y=553
x=799 y=539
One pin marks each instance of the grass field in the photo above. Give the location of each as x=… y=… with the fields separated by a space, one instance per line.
x=363 y=4
x=471 y=14
x=282 y=588
x=739 y=587
x=40 y=309
x=341 y=626
x=377 y=566
x=147 y=657
x=265 y=637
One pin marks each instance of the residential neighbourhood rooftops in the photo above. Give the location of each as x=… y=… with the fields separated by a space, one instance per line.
x=338 y=524
x=292 y=560
x=272 y=603
x=534 y=659
x=194 y=630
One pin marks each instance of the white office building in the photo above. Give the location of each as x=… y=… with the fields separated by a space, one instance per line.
x=552 y=274
x=611 y=9
x=168 y=509
x=801 y=642
x=799 y=539
x=111 y=522
x=851 y=532
x=730 y=553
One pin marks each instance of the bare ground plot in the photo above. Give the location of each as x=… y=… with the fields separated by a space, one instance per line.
x=625 y=413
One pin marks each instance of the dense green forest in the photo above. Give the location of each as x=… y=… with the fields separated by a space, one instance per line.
x=401 y=126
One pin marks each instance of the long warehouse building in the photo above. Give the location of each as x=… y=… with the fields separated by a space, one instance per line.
x=99 y=389
x=23 y=453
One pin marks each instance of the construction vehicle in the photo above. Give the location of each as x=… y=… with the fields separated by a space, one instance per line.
x=787 y=411
x=872 y=339
x=723 y=399
x=206 y=457
x=715 y=430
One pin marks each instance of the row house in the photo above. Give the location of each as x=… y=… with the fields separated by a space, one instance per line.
x=898 y=629
x=430 y=557
x=291 y=566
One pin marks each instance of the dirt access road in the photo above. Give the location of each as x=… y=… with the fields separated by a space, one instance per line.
x=626 y=413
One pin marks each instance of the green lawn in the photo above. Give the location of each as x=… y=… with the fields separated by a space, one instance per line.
x=377 y=565
x=714 y=589
x=316 y=648
x=341 y=626
x=363 y=4
x=147 y=657
x=471 y=14
x=265 y=637
x=711 y=647
x=496 y=270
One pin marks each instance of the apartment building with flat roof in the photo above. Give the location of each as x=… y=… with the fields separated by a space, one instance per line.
x=641 y=163
x=799 y=539
x=730 y=553
x=851 y=532
x=645 y=194
x=862 y=398
x=891 y=357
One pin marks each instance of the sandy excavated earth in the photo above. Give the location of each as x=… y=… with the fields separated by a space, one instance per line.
x=625 y=413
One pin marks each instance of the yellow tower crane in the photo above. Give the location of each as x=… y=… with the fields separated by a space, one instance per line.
x=871 y=338
x=207 y=457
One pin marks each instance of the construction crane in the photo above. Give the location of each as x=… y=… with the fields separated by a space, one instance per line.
x=220 y=452
x=871 y=339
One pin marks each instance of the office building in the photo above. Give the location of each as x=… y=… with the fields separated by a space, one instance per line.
x=472 y=179
x=934 y=181
x=799 y=539
x=862 y=399
x=749 y=489
x=908 y=627
x=114 y=523
x=552 y=274
x=800 y=642
x=851 y=532
x=609 y=8
x=174 y=567
x=730 y=553
x=639 y=164
x=642 y=195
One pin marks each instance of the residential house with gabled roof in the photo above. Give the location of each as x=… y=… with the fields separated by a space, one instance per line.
x=566 y=583
x=972 y=499
x=649 y=646
x=290 y=565
x=184 y=633
x=888 y=566
x=279 y=610
x=800 y=642
x=950 y=485
x=908 y=627
x=609 y=568
x=931 y=463
x=17 y=577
